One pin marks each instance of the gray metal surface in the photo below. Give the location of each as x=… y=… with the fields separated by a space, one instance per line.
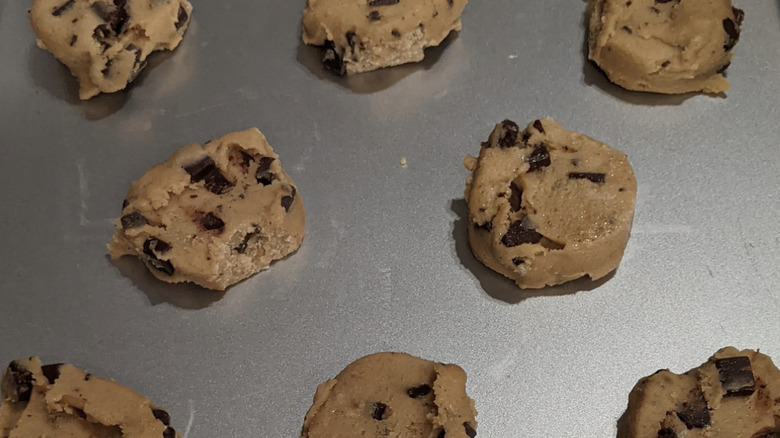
x=385 y=264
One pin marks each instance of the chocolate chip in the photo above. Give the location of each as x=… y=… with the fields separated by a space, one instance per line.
x=350 y=36
x=378 y=411
x=151 y=247
x=538 y=126
x=739 y=15
x=52 y=372
x=163 y=416
x=516 y=198
x=694 y=413
x=540 y=157
x=419 y=391
x=125 y=203
x=736 y=376
x=732 y=30
x=263 y=174
x=382 y=2
x=665 y=64
x=133 y=220
x=101 y=34
x=287 y=201
x=22 y=380
x=114 y=15
x=469 y=430
x=666 y=433
x=210 y=222
x=241 y=248
x=65 y=6
x=246 y=159
x=169 y=432
x=199 y=169
x=518 y=261
x=395 y=33
x=332 y=61
x=441 y=434
x=597 y=178
x=182 y=18
x=518 y=234
x=509 y=131
x=87 y=377
x=374 y=16
x=73 y=40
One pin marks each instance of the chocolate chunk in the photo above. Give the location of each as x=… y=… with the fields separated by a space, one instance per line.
x=736 y=376
x=518 y=234
x=125 y=203
x=162 y=415
x=65 y=6
x=241 y=248
x=666 y=433
x=382 y=2
x=263 y=174
x=540 y=157
x=419 y=391
x=199 y=169
x=87 y=377
x=596 y=178
x=151 y=247
x=52 y=372
x=509 y=131
x=216 y=182
x=114 y=15
x=101 y=34
x=379 y=411
x=538 y=126
x=694 y=413
x=169 y=432
x=665 y=63
x=73 y=40
x=395 y=33
x=182 y=18
x=211 y=222
x=732 y=30
x=518 y=261
x=287 y=201
x=350 y=36
x=246 y=159
x=133 y=220
x=469 y=430
x=332 y=61
x=516 y=198
x=441 y=434
x=739 y=15
x=22 y=381
x=374 y=16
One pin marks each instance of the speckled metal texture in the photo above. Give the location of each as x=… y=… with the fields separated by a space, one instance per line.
x=385 y=264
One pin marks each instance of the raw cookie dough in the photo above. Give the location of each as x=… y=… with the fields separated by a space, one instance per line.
x=735 y=394
x=364 y=35
x=547 y=205
x=664 y=46
x=61 y=401
x=393 y=395
x=213 y=214
x=105 y=43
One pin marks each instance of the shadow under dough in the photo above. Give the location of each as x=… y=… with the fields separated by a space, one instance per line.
x=592 y=75
x=183 y=295
x=373 y=81
x=496 y=285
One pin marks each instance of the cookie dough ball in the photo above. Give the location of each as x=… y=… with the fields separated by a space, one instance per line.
x=733 y=394
x=364 y=35
x=393 y=395
x=60 y=400
x=213 y=214
x=548 y=205
x=105 y=43
x=664 y=46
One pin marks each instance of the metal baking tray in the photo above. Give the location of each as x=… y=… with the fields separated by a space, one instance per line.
x=385 y=264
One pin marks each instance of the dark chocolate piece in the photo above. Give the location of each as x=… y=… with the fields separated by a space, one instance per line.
x=151 y=247
x=162 y=415
x=665 y=63
x=419 y=391
x=264 y=175
x=373 y=3
x=469 y=430
x=133 y=220
x=518 y=261
x=666 y=433
x=241 y=248
x=287 y=201
x=332 y=61
x=736 y=376
x=516 y=198
x=374 y=16
x=538 y=125
x=52 y=372
x=379 y=411
x=73 y=40
x=739 y=15
x=539 y=158
x=350 y=36
x=694 y=413
x=732 y=30
x=65 y=6
x=169 y=432
x=206 y=170
x=182 y=18
x=211 y=222
x=22 y=381
x=87 y=376
x=596 y=178
x=395 y=33
x=441 y=434
x=199 y=169
x=509 y=131
x=518 y=234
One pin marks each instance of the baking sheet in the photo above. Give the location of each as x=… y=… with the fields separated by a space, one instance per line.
x=385 y=264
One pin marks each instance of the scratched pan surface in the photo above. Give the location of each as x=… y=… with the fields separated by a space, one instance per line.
x=385 y=264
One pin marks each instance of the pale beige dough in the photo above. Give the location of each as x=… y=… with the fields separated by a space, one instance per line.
x=364 y=35
x=62 y=401
x=671 y=47
x=393 y=395
x=735 y=394
x=105 y=43
x=548 y=205
x=213 y=214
